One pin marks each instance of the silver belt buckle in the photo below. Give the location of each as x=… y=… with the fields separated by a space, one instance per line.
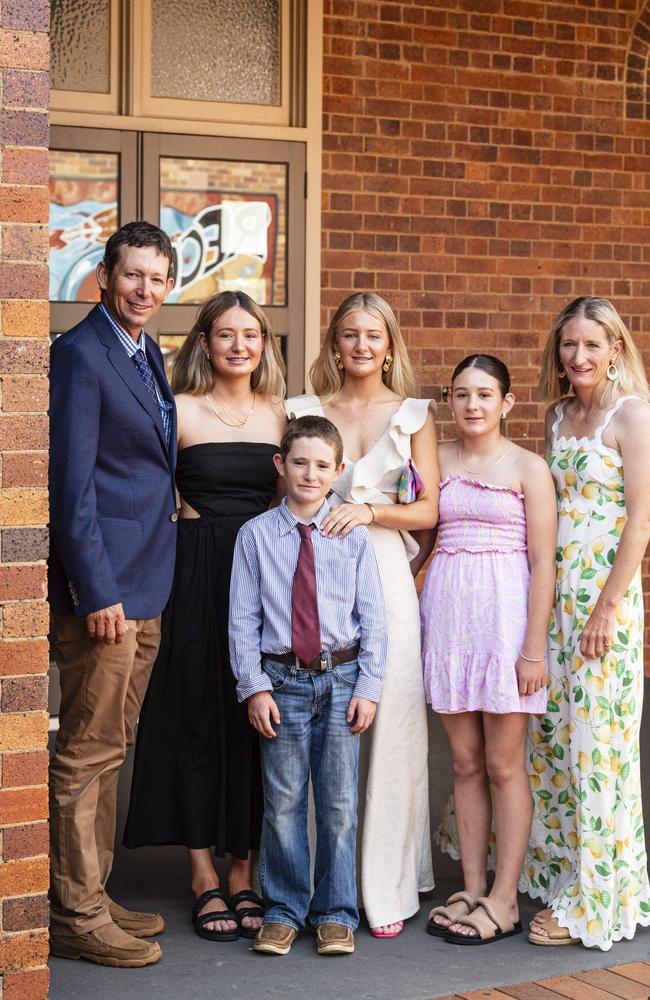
x=323 y=663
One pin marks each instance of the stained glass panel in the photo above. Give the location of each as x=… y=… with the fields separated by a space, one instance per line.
x=227 y=221
x=83 y=214
x=170 y=343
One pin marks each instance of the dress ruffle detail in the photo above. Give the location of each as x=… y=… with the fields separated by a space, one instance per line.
x=378 y=472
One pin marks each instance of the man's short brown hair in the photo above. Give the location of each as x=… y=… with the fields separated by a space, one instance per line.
x=312 y=427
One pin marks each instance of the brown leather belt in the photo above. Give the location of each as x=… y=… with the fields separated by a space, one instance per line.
x=337 y=657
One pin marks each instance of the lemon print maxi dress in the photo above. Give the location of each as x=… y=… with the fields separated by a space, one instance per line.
x=587 y=856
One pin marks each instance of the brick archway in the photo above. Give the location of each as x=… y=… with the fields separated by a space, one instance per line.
x=637 y=69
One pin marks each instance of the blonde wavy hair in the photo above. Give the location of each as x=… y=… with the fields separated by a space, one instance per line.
x=192 y=371
x=327 y=379
x=631 y=380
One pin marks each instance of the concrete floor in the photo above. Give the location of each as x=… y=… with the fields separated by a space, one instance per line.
x=414 y=966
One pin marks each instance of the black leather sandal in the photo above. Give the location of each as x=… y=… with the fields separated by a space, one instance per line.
x=257 y=910
x=208 y=918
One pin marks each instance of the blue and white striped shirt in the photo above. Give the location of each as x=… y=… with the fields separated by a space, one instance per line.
x=131 y=346
x=350 y=598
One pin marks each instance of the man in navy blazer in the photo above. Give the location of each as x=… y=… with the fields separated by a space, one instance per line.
x=113 y=536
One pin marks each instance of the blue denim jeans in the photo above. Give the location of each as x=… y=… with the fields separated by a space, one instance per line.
x=312 y=736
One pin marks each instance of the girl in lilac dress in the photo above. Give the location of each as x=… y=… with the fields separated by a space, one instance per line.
x=485 y=610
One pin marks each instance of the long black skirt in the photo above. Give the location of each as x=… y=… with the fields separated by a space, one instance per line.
x=196 y=778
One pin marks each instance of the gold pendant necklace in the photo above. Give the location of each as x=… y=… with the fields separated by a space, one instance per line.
x=499 y=459
x=233 y=421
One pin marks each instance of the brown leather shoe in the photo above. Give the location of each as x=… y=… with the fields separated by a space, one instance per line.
x=334 y=939
x=106 y=945
x=138 y=925
x=274 y=939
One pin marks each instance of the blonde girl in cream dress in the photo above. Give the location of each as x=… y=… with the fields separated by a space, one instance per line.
x=364 y=384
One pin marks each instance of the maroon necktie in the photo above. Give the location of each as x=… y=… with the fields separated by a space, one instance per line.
x=305 y=626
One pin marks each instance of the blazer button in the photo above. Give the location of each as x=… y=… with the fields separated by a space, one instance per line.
x=174 y=517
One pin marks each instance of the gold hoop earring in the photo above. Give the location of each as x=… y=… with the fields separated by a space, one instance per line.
x=337 y=360
x=561 y=372
x=612 y=372
x=388 y=362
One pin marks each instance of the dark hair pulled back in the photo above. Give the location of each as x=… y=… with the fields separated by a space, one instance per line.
x=488 y=364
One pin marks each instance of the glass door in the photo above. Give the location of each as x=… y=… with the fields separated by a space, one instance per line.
x=235 y=212
x=92 y=193
x=233 y=208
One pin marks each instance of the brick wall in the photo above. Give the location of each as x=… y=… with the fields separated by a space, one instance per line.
x=24 y=328
x=485 y=161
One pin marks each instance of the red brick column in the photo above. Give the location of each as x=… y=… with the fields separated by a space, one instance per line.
x=24 y=328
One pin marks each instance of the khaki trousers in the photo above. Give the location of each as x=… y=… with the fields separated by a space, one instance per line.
x=102 y=690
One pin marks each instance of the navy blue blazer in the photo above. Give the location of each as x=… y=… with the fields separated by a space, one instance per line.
x=112 y=497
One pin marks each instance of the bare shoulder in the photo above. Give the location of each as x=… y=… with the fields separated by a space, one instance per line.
x=273 y=413
x=447 y=449
x=447 y=452
x=634 y=414
x=276 y=407
x=529 y=464
x=549 y=418
x=187 y=402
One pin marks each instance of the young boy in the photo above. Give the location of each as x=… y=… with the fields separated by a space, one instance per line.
x=308 y=647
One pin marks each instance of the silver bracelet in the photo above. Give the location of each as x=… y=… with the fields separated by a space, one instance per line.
x=532 y=659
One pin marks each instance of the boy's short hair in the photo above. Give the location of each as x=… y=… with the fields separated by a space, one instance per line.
x=312 y=427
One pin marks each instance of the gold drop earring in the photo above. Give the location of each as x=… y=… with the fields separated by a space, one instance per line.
x=337 y=360
x=612 y=371
x=388 y=362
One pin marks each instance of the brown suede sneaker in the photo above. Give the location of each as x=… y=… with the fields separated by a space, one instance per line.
x=106 y=945
x=138 y=925
x=334 y=939
x=274 y=939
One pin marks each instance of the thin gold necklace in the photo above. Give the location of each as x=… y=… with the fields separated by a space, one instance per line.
x=499 y=459
x=233 y=421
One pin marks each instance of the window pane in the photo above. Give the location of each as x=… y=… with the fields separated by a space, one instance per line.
x=81 y=44
x=83 y=214
x=216 y=50
x=170 y=343
x=227 y=222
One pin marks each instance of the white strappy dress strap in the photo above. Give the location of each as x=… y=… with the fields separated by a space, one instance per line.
x=610 y=413
x=559 y=413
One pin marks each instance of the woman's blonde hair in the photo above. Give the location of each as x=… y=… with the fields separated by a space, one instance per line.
x=192 y=371
x=631 y=379
x=327 y=379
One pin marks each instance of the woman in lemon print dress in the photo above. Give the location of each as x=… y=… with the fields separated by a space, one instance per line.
x=587 y=857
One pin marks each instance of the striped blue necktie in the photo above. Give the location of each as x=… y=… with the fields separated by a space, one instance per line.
x=145 y=372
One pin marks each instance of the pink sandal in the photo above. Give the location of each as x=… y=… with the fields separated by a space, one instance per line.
x=393 y=934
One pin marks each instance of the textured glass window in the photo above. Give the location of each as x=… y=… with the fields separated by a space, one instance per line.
x=83 y=214
x=81 y=45
x=228 y=224
x=216 y=50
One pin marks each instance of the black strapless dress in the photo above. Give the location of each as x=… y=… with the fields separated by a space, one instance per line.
x=196 y=776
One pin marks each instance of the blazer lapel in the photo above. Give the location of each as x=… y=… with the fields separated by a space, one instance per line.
x=126 y=369
x=167 y=395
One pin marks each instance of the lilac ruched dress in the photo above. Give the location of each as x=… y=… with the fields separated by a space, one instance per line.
x=474 y=602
